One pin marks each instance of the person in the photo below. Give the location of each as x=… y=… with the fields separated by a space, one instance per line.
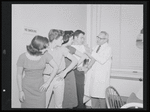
x=99 y=74
x=32 y=87
x=78 y=43
x=70 y=96
x=58 y=53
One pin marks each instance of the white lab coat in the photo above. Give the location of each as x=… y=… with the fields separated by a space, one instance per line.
x=97 y=78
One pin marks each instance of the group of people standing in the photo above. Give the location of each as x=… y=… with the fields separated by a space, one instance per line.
x=63 y=67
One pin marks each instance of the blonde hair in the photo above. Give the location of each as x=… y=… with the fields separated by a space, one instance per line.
x=54 y=34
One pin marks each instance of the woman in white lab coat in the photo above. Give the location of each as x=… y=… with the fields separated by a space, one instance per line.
x=100 y=71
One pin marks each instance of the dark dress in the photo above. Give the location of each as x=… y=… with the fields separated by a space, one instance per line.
x=33 y=80
x=70 y=95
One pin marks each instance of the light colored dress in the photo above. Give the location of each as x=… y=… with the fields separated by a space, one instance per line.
x=33 y=80
x=70 y=93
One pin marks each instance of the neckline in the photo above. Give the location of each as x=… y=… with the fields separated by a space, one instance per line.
x=32 y=58
x=54 y=48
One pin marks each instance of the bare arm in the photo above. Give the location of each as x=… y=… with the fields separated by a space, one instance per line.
x=83 y=57
x=70 y=67
x=19 y=78
x=73 y=63
x=19 y=83
x=53 y=74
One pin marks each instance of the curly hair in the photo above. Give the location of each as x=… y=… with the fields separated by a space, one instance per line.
x=38 y=43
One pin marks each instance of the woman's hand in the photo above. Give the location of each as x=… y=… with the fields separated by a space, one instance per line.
x=21 y=96
x=44 y=87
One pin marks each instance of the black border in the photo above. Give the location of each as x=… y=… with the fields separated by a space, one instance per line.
x=6 y=46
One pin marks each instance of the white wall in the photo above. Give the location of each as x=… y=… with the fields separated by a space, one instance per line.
x=110 y=22
x=41 y=18
x=126 y=82
x=131 y=25
x=123 y=23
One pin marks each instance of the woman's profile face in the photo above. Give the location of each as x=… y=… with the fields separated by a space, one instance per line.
x=81 y=38
x=45 y=49
x=59 y=41
x=70 y=40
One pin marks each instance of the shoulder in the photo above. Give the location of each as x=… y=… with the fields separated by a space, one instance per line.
x=47 y=54
x=63 y=49
x=72 y=50
x=109 y=47
x=94 y=47
x=21 y=59
x=75 y=46
x=50 y=52
x=80 y=48
x=70 y=47
x=108 y=50
x=22 y=56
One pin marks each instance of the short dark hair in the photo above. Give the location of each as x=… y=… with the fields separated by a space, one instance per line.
x=77 y=32
x=67 y=35
x=55 y=34
x=38 y=43
x=104 y=32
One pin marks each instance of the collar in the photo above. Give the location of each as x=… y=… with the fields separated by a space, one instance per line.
x=35 y=58
x=103 y=46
